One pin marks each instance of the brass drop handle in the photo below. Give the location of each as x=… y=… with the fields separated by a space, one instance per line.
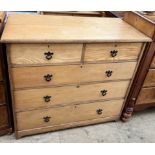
x=99 y=111
x=46 y=119
x=109 y=73
x=48 y=77
x=113 y=53
x=48 y=55
x=104 y=92
x=47 y=98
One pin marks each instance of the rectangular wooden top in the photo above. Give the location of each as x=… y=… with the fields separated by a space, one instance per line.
x=55 y=29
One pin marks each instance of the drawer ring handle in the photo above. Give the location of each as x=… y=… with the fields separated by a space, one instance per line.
x=48 y=77
x=47 y=98
x=109 y=73
x=114 y=53
x=46 y=119
x=49 y=55
x=99 y=111
x=104 y=92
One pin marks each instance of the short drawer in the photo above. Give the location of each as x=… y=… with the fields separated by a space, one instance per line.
x=153 y=63
x=147 y=95
x=34 y=54
x=3 y=116
x=112 y=51
x=150 y=78
x=2 y=94
x=69 y=74
x=45 y=97
x=68 y=114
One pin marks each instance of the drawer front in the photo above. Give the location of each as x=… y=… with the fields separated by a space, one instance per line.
x=69 y=74
x=2 y=94
x=3 y=116
x=147 y=95
x=150 y=78
x=112 y=51
x=153 y=63
x=69 y=94
x=67 y=114
x=33 y=54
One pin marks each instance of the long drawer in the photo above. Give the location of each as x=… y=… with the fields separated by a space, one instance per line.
x=68 y=114
x=3 y=116
x=153 y=63
x=2 y=94
x=146 y=96
x=150 y=78
x=32 y=54
x=45 y=97
x=70 y=74
x=112 y=51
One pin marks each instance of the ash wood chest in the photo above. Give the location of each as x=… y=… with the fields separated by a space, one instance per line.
x=67 y=72
x=142 y=92
x=5 y=115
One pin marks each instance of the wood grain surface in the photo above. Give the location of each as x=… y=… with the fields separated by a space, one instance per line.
x=1 y=76
x=146 y=96
x=150 y=78
x=2 y=94
x=139 y=22
x=34 y=98
x=32 y=54
x=67 y=114
x=153 y=63
x=45 y=29
x=102 y=51
x=4 y=116
x=70 y=74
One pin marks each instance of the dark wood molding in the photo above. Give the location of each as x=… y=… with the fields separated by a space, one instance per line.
x=7 y=128
x=142 y=71
x=138 y=80
x=7 y=92
x=117 y=14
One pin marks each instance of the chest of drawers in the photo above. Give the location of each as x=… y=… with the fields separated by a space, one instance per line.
x=5 y=115
x=67 y=72
x=142 y=92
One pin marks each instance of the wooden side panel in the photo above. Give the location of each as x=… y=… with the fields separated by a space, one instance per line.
x=32 y=54
x=1 y=66
x=2 y=94
x=34 y=98
x=102 y=51
x=1 y=76
x=150 y=79
x=67 y=114
x=139 y=22
x=71 y=74
x=153 y=63
x=3 y=116
x=146 y=96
